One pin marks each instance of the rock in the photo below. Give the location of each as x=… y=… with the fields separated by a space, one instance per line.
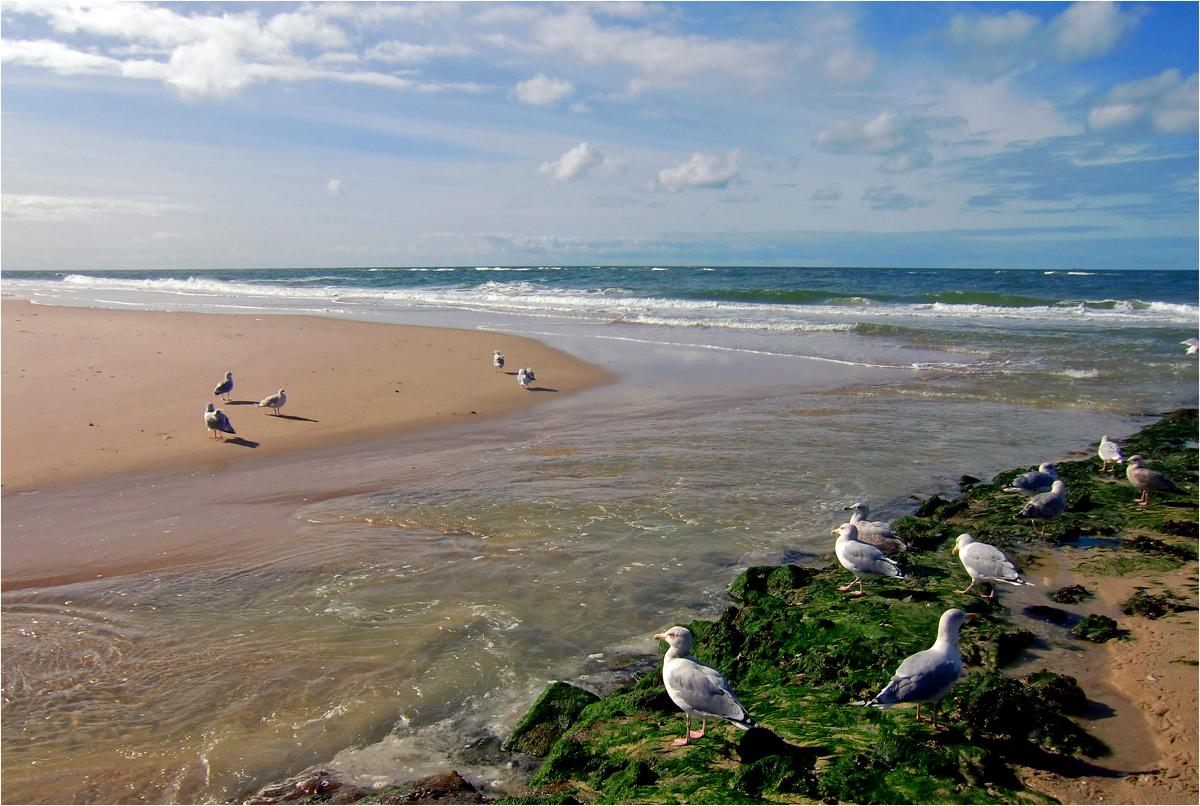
x=1097 y=629
x=1072 y=594
x=548 y=719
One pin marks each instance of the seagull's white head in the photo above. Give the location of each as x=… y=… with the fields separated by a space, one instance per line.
x=680 y=639
x=846 y=530
x=963 y=540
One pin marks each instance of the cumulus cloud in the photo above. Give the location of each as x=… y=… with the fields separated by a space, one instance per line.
x=830 y=192
x=888 y=198
x=572 y=164
x=890 y=134
x=1166 y=103
x=702 y=171
x=542 y=90
x=334 y=187
x=994 y=44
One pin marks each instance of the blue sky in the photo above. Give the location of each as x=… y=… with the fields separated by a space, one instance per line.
x=196 y=135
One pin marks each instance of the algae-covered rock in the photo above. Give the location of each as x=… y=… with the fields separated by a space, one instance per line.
x=1097 y=629
x=1058 y=691
x=1072 y=594
x=1149 y=605
x=549 y=717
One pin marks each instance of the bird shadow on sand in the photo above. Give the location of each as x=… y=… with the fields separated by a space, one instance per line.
x=239 y=403
x=294 y=417
x=245 y=443
x=541 y=389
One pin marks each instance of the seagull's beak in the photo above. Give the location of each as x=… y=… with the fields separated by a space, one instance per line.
x=972 y=617
x=845 y=508
x=835 y=531
x=660 y=637
x=954 y=550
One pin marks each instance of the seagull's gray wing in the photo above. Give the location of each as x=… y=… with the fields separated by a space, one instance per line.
x=704 y=690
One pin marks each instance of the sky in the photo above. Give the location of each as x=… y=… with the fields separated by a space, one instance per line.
x=229 y=135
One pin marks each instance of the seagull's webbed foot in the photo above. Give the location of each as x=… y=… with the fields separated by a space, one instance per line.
x=679 y=743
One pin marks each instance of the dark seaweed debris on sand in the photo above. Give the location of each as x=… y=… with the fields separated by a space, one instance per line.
x=800 y=653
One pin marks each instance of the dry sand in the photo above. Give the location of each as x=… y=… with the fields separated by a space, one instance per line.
x=90 y=392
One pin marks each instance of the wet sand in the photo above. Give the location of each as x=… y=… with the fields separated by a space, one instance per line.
x=89 y=392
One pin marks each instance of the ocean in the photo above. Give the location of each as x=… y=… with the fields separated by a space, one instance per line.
x=401 y=618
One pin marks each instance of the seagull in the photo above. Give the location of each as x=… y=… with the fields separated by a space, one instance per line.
x=1035 y=481
x=523 y=377
x=1192 y=344
x=862 y=559
x=498 y=360
x=985 y=563
x=878 y=533
x=1146 y=480
x=273 y=402
x=696 y=688
x=1046 y=506
x=928 y=675
x=225 y=387
x=529 y=373
x=216 y=422
x=1109 y=452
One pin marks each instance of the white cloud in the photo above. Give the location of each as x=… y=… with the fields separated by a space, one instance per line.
x=848 y=65
x=702 y=171
x=1167 y=103
x=335 y=187
x=572 y=164
x=404 y=52
x=890 y=134
x=17 y=207
x=888 y=198
x=1007 y=31
x=1088 y=29
x=830 y=192
x=541 y=90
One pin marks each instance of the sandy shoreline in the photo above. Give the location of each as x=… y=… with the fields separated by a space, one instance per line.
x=89 y=393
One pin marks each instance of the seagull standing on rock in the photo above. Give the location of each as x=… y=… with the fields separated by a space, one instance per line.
x=929 y=675
x=216 y=422
x=862 y=559
x=1035 y=481
x=1109 y=451
x=225 y=387
x=879 y=534
x=1046 y=506
x=273 y=402
x=985 y=564
x=697 y=688
x=1146 y=480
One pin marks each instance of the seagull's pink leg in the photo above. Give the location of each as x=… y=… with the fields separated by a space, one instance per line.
x=964 y=590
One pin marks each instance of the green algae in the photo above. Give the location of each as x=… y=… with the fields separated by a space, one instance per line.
x=804 y=656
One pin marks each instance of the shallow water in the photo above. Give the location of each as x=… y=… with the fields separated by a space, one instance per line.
x=384 y=608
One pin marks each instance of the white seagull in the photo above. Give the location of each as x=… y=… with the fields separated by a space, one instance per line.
x=498 y=360
x=985 y=564
x=1146 y=480
x=1109 y=451
x=1035 y=481
x=862 y=559
x=1045 y=507
x=928 y=675
x=1192 y=345
x=273 y=402
x=225 y=387
x=696 y=688
x=523 y=377
x=216 y=422
x=878 y=533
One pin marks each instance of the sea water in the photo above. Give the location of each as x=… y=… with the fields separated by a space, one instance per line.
x=391 y=612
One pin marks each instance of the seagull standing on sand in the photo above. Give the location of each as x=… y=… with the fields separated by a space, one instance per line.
x=1109 y=451
x=929 y=675
x=1035 y=481
x=273 y=402
x=498 y=360
x=1045 y=507
x=1146 y=480
x=225 y=387
x=523 y=377
x=862 y=559
x=696 y=688
x=985 y=564
x=216 y=422
x=878 y=533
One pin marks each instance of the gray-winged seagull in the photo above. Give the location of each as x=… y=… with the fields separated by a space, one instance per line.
x=273 y=402
x=862 y=559
x=497 y=360
x=1109 y=451
x=928 y=675
x=216 y=422
x=878 y=533
x=1045 y=507
x=1146 y=480
x=696 y=688
x=985 y=564
x=1035 y=481
x=225 y=387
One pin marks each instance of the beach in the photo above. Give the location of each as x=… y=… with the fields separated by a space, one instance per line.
x=418 y=545
x=89 y=392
